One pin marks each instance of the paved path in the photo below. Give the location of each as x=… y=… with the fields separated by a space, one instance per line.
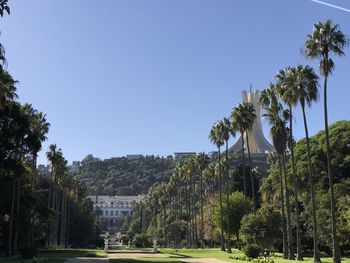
x=136 y=255
x=87 y=260
x=202 y=260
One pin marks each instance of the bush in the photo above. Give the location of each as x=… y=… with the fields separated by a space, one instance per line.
x=28 y=252
x=142 y=240
x=252 y=251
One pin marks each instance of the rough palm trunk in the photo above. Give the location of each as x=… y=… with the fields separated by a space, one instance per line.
x=284 y=230
x=286 y=194
x=15 y=241
x=243 y=174
x=220 y=196
x=336 y=251
x=32 y=225
x=316 y=254
x=251 y=175
x=229 y=250
x=202 y=218
x=299 y=249
x=10 y=233
x=164 y=227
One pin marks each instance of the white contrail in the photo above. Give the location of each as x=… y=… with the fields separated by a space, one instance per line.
x=331 y=5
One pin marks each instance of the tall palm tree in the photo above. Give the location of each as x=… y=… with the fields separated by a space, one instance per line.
x=227 y=131
x=306 y=82
x=202 y=161
x=55 y=156
x=276 y=117
x=287 y=91
x=39 y=127
x=216 y=137
x=7 y=88
x=325 y=39
x=243 y=116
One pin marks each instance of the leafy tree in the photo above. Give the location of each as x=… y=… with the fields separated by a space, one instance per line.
x=233 y=211
x=262 y=228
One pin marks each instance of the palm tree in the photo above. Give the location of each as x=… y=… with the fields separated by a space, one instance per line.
x=277 y=118
x=7 y=88
x=287 y=91
x=243 y=117
x=55 y=156
x=216 y=138
x=202 y=161
x=325 y=39
x=39 y=127
x=306 y=82
x=227 y=131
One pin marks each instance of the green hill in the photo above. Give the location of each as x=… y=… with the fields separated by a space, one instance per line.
x=123 y=176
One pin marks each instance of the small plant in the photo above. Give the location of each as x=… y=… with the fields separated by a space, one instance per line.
x=251 y=250
x=28 y=252
x=142 y=240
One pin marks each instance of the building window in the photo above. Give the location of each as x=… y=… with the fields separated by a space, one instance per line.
x=116 y=213
x=106 y=213
x=112 y=213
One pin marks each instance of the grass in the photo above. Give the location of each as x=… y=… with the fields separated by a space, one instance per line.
x=203 y=253
x=218 y=254
x=58 y=255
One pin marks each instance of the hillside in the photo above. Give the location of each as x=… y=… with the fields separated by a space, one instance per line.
x=123 y=176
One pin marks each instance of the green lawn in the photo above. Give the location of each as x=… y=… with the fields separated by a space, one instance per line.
x=217 y=253
x=57 y=256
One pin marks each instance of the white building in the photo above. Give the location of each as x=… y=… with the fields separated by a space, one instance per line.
x=114 y=207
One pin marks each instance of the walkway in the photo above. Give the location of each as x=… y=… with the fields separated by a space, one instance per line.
x=87 y=260
x=134 y=254
x=202 y=260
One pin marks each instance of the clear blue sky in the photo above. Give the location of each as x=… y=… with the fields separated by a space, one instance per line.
x=151 y=77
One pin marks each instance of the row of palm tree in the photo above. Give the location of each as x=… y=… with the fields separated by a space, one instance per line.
x=242 y=120
x=300 y=85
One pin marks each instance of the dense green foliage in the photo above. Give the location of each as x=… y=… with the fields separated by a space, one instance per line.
x=123 y=176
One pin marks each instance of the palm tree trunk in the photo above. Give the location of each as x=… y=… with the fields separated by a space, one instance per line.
x=286 y=193
x=202 y=217
x=284 y=230
x=17 y=215
x=221 y=217
x=316 y=255
x=32 y=226
x=10 y=233
x=243 y=174
x=299 y=248
x=336 y=251
x=229 y=250
x=251 y=175
x=164 y=227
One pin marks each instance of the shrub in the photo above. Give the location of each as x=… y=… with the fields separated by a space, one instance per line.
x=28 y=252
x=251 y=250
x=142 y=240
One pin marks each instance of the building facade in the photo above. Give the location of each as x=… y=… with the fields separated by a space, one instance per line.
x=113 y=208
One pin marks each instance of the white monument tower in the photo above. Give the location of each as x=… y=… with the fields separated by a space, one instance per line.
x=257 y=142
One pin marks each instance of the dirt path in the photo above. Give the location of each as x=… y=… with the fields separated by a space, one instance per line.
x=202 y=260
x=87 y=260
x=136 y=255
